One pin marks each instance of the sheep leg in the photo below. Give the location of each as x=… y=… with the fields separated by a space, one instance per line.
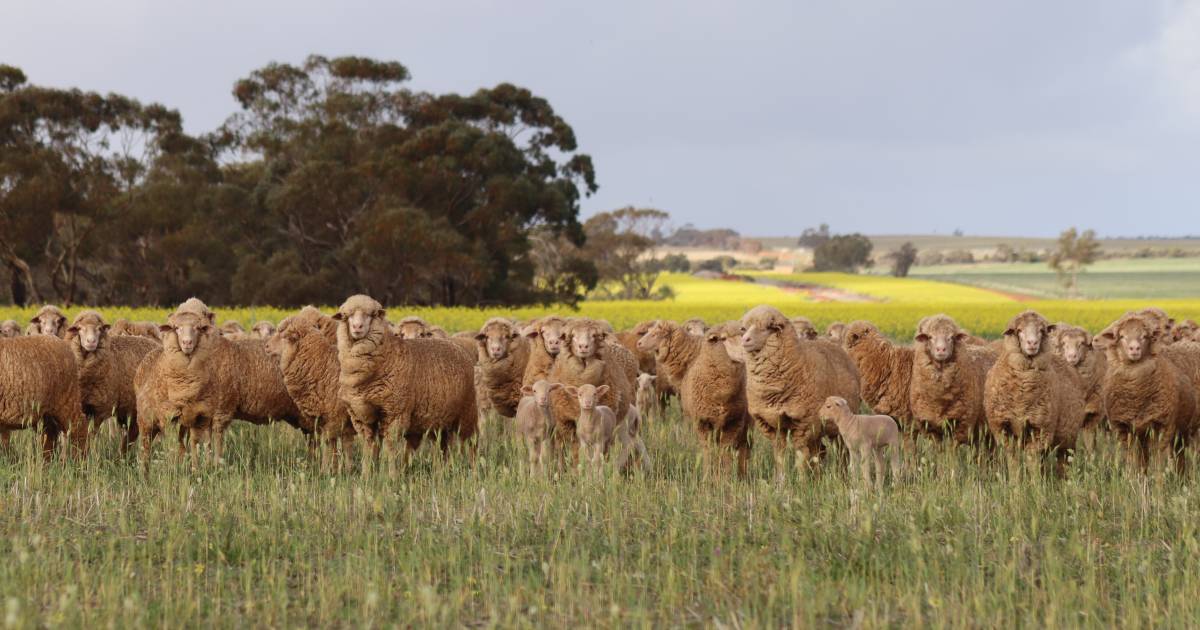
x=894 y=455
x=5 y=438
x=877 y=461
x=391 y=448
x=49 y=440
x=147 y=442
x=218 y=439
x=130 y=436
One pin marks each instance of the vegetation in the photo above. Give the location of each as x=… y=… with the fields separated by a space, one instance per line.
x=903 y=259
x=1075 y=252
x=1146 y=279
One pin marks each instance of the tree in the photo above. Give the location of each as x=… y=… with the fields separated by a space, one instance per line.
x=903 y=259
x=1074 y=252
x=844 y=252
x=814 y=238
x=621 y=245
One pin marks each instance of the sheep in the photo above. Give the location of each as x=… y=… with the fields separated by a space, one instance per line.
x=867 y=438
x=233 y=331
x=712 y=389
x=546 y=341
x=835 y=332
x=1031 y=396
x=646 y=396
x=39 y=384
x=50 y=321
x=124 y=327
x=787 y=381
x=695 y=327
x=1185 y=331
x=411 y=327
x=503 y=355
x=662 y=388
x=308 y=364
x=210 y=380
x=588 y=358
x=730 y=335
x=1149 y=398
x=884 y=370
x=263 y=329
x=400 y=389
x=535 y=422
x=1074 y=345
x=598 y=429
x=804 y=328
x=948 y=375
x=107 y=365
x=10 y=329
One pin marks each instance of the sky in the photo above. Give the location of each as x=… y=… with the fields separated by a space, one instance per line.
x=1021 y=117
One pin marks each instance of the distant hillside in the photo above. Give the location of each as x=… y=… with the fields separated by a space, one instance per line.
x=888 y=242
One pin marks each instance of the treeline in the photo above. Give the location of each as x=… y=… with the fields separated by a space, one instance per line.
x=330 y=178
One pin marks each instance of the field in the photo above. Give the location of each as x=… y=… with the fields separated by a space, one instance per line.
x=267 y=540
x=1146 y=279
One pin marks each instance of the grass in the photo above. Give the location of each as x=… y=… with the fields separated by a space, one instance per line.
x=1107 y=279
x=267 y=541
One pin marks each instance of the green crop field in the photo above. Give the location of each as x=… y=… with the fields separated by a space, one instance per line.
x=1147 y=279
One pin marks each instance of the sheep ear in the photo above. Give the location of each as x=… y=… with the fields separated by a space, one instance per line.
x=554 y=386
x=602 y=390
x=165 y=328
x=527 y=390
x=529 y=331
x=1007 y=333
x=104 y=328
x=380 y=313
x=960 y=335
x=73 y=329
x=922 y=337
x=339 y=316
x=712 y=338
x=480 y=337
x=1051 y=328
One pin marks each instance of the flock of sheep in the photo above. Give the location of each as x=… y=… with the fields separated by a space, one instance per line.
x=574 y=385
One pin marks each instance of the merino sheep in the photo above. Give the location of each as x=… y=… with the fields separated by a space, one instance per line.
x=49 y=321
x=712 y=389
x=1074 y=345
x=210 y=381
x=262 y=329
x=1185 y=331
x=10 y=329
x=1150 y=400
x=787 y=381
x=1031 y=396
x=835 y=332
x=804 y=328
x=309 y=366
x=867 y=438
x=546 y=336
x=107 y=365
x=535 y=422
x=588 y=359
x=401 y=389
x=884 y=370
x=503 y=355
x=126 y=328
x=662 y=387
x=39 y=386
x=730 y=335
x=695 y=327
x=411 y=327
x=233 y=331
x=948 y=375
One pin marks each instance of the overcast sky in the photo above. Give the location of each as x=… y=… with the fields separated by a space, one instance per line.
x=1019 y=117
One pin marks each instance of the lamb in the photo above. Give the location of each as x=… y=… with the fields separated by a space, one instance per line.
x=503 y=355
x=835 y=332
x=401 y=389
x=948 y=375
x=712 y=389
x=1150 y=400
x=598 y=429
x=546 y=337
x=39 y=385
x=1074 y=345
x=50 y=321
x=884 y=370
x=210 y=380
x=787 y=381
x=262 y=330
x=107 y=365
x=804 y=327
x=867 y=438
x=588 y=358
x=124 y=327
x=535 y=422
x=232 y=330
x=309 y=366
x=646 y=396
x=1031 y=396
x=662 y=388
x=10 y=329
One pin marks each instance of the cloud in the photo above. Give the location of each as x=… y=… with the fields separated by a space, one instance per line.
x=1174 y=58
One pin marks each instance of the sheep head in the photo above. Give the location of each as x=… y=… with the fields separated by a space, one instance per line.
x=585 y=338
x=10 y=328
x=497 y=337
x=937 y=335
x=194 y=305
x=730 y=334
x=263 y=330
x=284 y=344
x=658 y=334
x=836 y=331
x=552 y=332
x=763 y=325
x=695 y=327
x=1073 y=344
x=804 y=328
x=645 y=382
x=87 y=331
x=1159 y=320
x=1028 y=332
x=361 y=316
x=1133 y=338
x=857 y=332
x=1185 y=331
x=540 y=391
x=586 y=394
x=49 y=321
x=643 y=327
x=833 y=409
x=185 y=331
x=232 y=330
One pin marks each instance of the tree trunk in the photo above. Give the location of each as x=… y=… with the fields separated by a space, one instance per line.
x=24 y=290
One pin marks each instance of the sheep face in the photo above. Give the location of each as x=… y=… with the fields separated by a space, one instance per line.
x=645 y=382
x=540 y=391
x=187 y=330
x=586 y=340
x=1134 y=339
x=587 y=395
x=359 y=314
x=10 y=328
x=1185 y=331
x=836 y=331
x=729 y=333
x=834 y=407
x=496 y=338
x=654 y=337
x=760 y=325
x=284 y=344
x=1073 y=345
x=411 y=328
x=804 y=328
x=49 y=321
x=263 y=330
x=695 y=327
x=857 y=332
x=1030 y=330
x=88 y=330
x=232 y=330
x=937 y=335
